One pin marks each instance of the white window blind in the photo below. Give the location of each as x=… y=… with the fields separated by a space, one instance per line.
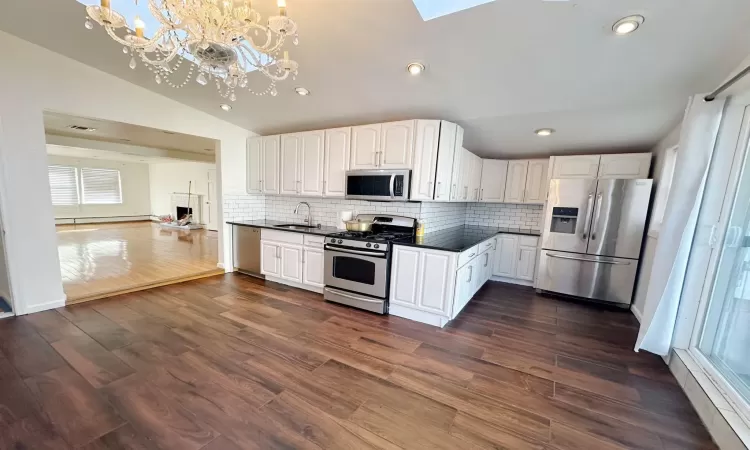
x=63 y=182
x=100 y=186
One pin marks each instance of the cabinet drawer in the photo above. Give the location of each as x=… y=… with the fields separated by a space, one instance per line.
x=281 y=236
x=314 y=241
x=468 y=255
x=528 y=241
x=486 y=245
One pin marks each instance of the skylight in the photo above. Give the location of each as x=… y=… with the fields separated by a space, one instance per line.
x=432 y=9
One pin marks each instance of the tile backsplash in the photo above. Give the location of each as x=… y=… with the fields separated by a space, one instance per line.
x=436 y=216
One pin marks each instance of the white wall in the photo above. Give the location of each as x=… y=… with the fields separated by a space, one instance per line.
x=168 y=178
x=34 y=79
x=134 y=181
x=647 y=255
x=4 y=281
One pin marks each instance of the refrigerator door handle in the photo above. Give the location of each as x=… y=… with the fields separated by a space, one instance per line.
x=587 y=217
x=597 y=214
x=614 y=263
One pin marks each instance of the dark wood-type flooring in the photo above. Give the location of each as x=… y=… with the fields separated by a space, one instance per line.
x=231 y=362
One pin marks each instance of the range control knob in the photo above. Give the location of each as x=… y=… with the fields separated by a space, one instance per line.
x=340 y=241
x=369 y=245
x=376 y=246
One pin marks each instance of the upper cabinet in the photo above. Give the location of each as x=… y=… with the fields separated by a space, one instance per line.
x=425 y=160
x=263 y=165
x=396 y=145
x=450 y=136
x=626 y=165
x=365 y=147
x=337 y=152
x=302 y=164
x=536 y=181
x=516 y=181
x=494 y=174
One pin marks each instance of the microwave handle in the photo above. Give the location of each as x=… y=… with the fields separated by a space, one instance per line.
x=393 y=182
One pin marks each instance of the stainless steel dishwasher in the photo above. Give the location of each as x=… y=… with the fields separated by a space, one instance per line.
x=246 y=248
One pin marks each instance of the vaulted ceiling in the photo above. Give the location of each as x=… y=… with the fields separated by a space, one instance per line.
x=501 y=70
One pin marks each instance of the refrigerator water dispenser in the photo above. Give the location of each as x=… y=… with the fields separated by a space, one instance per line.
x=564 y=220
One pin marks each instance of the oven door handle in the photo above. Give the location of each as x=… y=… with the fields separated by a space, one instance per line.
x=393 y=182
x=354 y=252
x=353 y=297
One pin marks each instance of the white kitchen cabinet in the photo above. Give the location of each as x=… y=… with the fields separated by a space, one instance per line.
x=270 y=164
x=486 y=261
x=270 y=259
x=578 y=166
x=494 y=174
x=449 y=136
x=457 y=189
x=515 y=184
x=425 y=159
x=536 y=181
x=291 y=147
x=254 y=164
x=365 y=147
x=313 y=264
x=626 y=165
x=476 y=176
x=471 y=172
x=311 y=163
x=436 y=272
x=526 y=263
x=396 y=145
x=506 y=256
x=291 y=263
x=465 y=282
x=404 y=276
x=337 y=153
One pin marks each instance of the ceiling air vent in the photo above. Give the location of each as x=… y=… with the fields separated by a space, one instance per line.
x=81 y=128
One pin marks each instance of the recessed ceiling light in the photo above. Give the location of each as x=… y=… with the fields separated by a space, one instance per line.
x=544 y=131
x=301 y=91
x=225 y=107
x=415 y=68
x=627 y=25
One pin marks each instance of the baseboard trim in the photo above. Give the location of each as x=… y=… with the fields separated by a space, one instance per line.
x=31 y=309
x=512 y=281
x=303 y=286
x=637 y=313
x=417 y=316
x=143 y=287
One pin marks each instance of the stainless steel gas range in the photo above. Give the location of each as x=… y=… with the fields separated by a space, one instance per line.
x=358 y=264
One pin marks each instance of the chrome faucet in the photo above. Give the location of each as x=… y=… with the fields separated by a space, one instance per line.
x=308 y=220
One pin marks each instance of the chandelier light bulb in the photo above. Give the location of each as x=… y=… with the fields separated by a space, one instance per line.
x=201 y=79
x=125 y=50
x=233 y=97
x=157 y=78
x=132 y=63
x=89 y=24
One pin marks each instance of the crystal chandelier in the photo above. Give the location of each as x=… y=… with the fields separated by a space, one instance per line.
x=221 y=40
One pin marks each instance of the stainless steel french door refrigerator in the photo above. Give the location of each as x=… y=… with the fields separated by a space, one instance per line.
x=592 y=236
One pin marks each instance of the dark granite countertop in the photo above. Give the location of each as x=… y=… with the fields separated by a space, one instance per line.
x=270 y=224
x=458 y=239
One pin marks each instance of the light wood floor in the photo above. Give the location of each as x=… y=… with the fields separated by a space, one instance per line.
x=232 y=362
x=97 y=260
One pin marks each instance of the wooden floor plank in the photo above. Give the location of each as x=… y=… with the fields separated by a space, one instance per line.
x=234 y=362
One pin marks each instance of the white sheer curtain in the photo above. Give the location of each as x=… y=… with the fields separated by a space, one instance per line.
x=700 y=128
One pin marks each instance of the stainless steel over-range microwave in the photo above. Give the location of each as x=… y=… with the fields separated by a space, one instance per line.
x=379 y=185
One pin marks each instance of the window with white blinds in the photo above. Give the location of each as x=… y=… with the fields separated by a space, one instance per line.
x=63 y=182
x=100 y=186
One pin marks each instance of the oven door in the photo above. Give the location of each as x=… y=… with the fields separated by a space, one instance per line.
x=362 y=271
x=383 y=185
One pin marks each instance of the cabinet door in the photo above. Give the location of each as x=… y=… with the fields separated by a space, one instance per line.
x=311 y=163
x=436 y=275
x=478 y=279
x=459 y=159
x=494 y=175
x=365 y=146
x=404 y=276
x=254 y=164
x=337 y=151
x=515 y=185
x=536 y=181
x=526 y=263
x=579 y=166
x=476 y=177
x=270 y=259
x=465 y=280
x=291 y=146
x=270 y=158
x=312 y=267
x=396 y=145
x=425 y=160
x=291 y=263
x=506 y=256
x=445 y=157
x=627 y=165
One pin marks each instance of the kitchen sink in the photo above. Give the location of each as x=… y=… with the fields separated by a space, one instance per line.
x=295 y=226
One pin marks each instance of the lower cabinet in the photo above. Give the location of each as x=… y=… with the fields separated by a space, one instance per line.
x=515 y=258
x=293 y=258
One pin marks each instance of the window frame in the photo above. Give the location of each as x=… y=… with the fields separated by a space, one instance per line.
x=101 y=169
x=77 y=182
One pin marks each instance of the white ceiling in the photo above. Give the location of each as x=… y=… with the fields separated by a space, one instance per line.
x=501 y=70
x=123 y=133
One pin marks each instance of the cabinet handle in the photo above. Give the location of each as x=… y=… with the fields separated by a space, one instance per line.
x=466 y=192
x=299 y=186
x=481 y=194
x=471 y=273
x=519 y=255
x=303 y=256
x=486 y=259
x=453 y=191
x=439 y=188
x=380 y=159
x=278 y=252
x=472 y=255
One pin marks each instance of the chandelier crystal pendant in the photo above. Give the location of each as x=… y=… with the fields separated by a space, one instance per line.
x=222 y=40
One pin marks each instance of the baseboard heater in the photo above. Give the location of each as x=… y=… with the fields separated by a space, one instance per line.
x=83 y=220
